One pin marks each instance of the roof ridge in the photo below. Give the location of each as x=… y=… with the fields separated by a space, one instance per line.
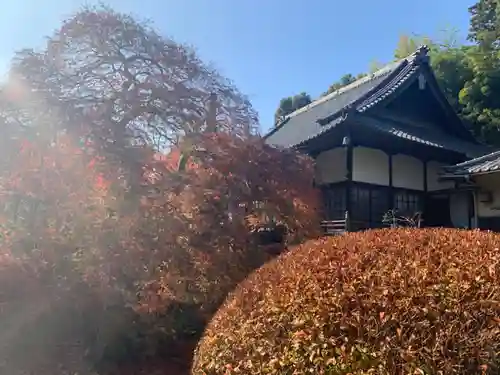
x=420 y=52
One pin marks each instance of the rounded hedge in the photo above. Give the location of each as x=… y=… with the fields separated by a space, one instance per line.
x=392 y=301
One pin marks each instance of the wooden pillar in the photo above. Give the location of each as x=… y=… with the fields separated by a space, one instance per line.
x=476 y=208
x=347 y=142
x=470 y=208
x=391 y=184
x=425 y=177
x=426 y=189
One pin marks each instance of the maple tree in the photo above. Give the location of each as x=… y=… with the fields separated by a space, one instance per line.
x=55 y=235
x=180 y=243
x=128 y=85
x=132 y=185
x=233 y=187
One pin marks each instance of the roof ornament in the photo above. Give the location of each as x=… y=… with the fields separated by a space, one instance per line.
x=421 y=55
x=424 y=49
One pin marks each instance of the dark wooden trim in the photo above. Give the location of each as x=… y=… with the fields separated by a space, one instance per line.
x=470 y=208
x=348 y=188
x=394 y=188
x=426 y=188
x=334 y=193
x=361 y=183
x=349 y=168
x=368 y=184
x=391 y=187
x=416 y=191
x=443 y=191
x=349 y=162
x=369 y=212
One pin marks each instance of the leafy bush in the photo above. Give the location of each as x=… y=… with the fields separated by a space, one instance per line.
x=392 y=301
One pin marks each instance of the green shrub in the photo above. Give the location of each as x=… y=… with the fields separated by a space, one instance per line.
x=401 y=301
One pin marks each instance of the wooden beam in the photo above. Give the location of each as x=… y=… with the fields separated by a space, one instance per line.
x=349 y=172
x=425 y=176
x=470 y=208
x=391 y=184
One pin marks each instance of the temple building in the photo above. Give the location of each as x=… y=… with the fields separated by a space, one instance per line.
x=385 y=142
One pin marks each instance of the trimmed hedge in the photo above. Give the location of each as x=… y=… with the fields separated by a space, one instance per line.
x=400 y=301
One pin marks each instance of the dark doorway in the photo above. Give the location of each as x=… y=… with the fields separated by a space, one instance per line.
x=437 y=211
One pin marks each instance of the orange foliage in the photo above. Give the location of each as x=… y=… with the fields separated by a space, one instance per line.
x=60 y=202
x=73 y=231
x=213 y=204
x=402 y=301
x=55 y=204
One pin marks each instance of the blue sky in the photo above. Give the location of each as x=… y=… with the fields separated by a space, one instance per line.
x=269 y=48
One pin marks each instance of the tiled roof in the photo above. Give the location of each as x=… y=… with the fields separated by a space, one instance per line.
x=309 y=122
x=327 y=112
x=434 y=138
x=484 y=164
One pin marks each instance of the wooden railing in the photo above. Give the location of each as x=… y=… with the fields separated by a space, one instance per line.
x=336 y=227
x=340 y=226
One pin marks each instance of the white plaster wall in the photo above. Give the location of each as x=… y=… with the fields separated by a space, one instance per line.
x=459 y=209
x=489 y=182
x=331 y=166
x=370 y=166
x=433 y=183
x=407 y=172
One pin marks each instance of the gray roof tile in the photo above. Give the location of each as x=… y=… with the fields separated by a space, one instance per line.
x=302 y=124
x=434 y=138
x=483 y=164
